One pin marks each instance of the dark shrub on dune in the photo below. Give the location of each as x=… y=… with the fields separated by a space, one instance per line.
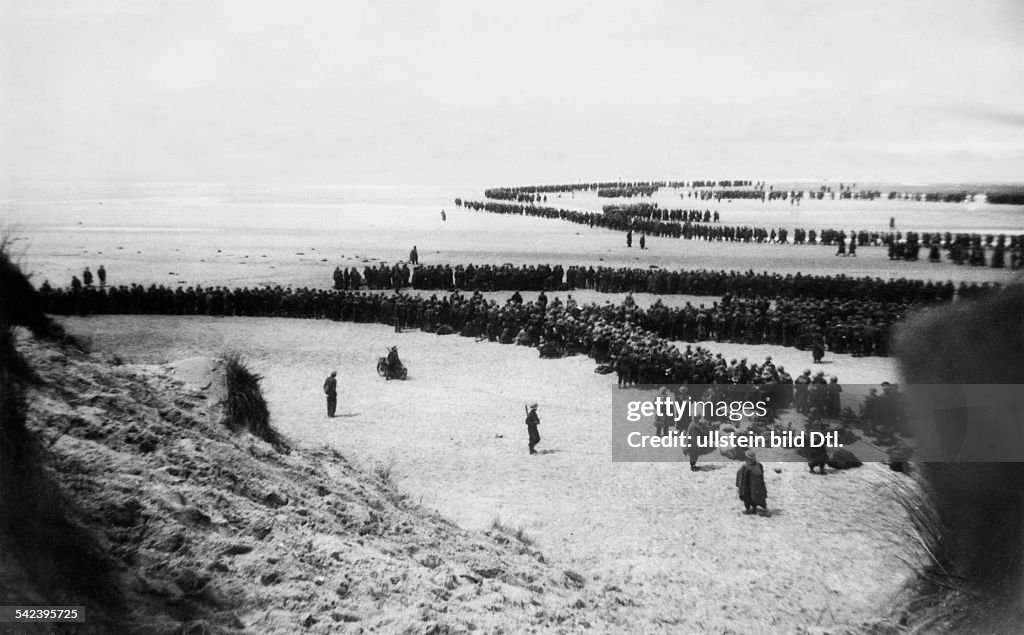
x=21 y=304
x=969 y=515
x=59 y=559
x=245 y=407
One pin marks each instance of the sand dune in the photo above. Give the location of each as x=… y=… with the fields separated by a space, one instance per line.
x=455 y=438
x=673 y=541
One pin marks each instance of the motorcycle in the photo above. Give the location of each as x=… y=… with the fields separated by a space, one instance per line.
x=384 y=369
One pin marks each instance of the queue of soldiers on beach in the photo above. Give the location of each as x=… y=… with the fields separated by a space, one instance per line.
x=608 y=333
x=822 y=313
x=509 y=277
x=558 y=329
x=651 y=211
x=959 y=248
x=729 y=189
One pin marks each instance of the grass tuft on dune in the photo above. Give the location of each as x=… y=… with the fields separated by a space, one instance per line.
x=245 y=406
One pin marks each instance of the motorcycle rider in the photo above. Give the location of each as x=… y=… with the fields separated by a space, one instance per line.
x=394 y=363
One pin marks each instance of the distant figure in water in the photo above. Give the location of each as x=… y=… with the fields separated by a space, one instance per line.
x=414 y=256
x=444 y=216
x=892 y=222
x=750 y=484
x=102 y=273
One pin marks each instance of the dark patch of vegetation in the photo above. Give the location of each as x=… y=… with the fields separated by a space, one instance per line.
x=517 y=533
x=383 y=472
x=21 y=305
x=62 y=562
x=245 y=407
x=967 y=516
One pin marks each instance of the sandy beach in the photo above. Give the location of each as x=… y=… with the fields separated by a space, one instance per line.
x=453 y=435
x=216 y=235
x=194 y=185
x=454 y=438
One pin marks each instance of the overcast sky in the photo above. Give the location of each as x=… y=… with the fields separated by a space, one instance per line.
x=470 y=92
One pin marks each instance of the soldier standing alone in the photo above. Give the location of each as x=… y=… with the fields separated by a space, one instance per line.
x=331 y=390
x=750 y=484
x=532 y=421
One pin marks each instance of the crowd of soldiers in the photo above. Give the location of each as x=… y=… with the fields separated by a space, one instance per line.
x=856 y=326
x=396 y=276
x=730 y=189
x=617 y=220
x=533 y=193
x=701 y=282
x=960 y=248
x=556 y=329
x=492 y=277
x=627 y=191
x=651 y=211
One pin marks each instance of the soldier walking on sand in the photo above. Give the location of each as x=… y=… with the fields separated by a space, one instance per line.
x=102 y=273
x=750 y=484
x=694 y=432
x=532 y=421
x=414 y=256
x=331 y=390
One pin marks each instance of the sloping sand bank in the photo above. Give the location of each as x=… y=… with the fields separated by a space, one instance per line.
x=676 y=541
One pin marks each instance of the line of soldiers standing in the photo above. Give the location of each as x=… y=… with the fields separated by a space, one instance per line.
x=509 y=277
